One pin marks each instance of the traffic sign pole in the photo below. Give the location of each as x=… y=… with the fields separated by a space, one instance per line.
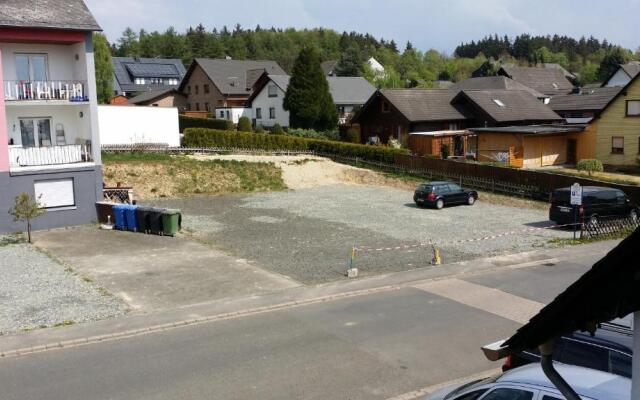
x=576 y=201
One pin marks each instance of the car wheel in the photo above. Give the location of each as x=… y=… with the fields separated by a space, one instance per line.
x=440 y=204
x=633 y=216
x=471 y=200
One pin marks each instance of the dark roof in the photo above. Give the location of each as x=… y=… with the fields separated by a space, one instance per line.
x=56 y=14
x=532 y=129
x=609 y=290
x=544 y=80
x=350 y=90
x=587 y=99
x=234 y=76
x=328 y=67
x=425 y=104
x=126 y=69
x=152 y=95
x=494 y=82
x=508 y=105
x=632 y=68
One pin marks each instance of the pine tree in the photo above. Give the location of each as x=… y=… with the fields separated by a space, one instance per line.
x=129 y=45
x=308 y=99
x=104 y=68
x=350 y=63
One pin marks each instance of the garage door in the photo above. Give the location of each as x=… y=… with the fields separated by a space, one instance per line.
x=55 y=193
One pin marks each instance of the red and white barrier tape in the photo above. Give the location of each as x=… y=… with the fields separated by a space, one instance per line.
x=440 y=244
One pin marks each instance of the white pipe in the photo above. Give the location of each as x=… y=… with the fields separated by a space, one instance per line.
x=635 y=383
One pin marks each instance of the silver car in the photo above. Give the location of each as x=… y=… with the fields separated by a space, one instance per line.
x=530 y=383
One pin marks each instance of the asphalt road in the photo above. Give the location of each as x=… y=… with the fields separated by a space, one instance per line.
x=374 y=346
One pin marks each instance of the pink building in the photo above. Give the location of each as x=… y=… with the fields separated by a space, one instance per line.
x=49 y=142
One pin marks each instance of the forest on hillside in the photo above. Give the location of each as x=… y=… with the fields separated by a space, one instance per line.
x=406 y=66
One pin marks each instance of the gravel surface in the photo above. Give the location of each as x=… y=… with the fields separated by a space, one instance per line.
x=37 y=292
x=308 y=234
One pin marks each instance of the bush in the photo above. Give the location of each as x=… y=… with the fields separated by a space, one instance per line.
x=189 y=122
x=313 y=134
x=259 y=129
x=277 y=130
x=590 y=165
x=244 y=124
x=350 y=135
x=199 y=137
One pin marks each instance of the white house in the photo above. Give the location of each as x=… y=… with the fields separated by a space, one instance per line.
x=265 y=103
x=624 y=74
x=376 y=67
x=49 y=142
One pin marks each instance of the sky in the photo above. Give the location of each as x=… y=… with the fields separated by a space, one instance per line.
x=428 y=24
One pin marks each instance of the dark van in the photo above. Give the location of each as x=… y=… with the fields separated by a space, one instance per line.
x=597 y=202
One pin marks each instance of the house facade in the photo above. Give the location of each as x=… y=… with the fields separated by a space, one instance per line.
x=160 y=98
x=623 y=75
x=49 y=142
x=266 y=102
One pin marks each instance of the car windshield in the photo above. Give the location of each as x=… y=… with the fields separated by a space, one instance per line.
x=424 y=187
x=472 y=385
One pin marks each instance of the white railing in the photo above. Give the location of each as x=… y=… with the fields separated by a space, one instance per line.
x=73 y=91
x=53 y=155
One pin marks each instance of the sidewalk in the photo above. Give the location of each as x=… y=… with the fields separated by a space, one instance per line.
x=140 y=324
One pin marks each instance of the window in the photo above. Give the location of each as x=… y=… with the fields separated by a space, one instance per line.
x=188 y=106
x=197 y=89
x=499 y=103
x=620 y=363
x=509 y=394
x=55 y=193
x=545 y=397
x=189 y=89
x=385 y=107
x=206 y=88
x=272 y=113
x=197 y=106
x=258 y=113
x=206 y=107
x=617 y=145
x=35 y=132
x=633 y=108
x=583 y=354
x=473 y=395
x=272 y=91
x=31 y=67
x=221 y=113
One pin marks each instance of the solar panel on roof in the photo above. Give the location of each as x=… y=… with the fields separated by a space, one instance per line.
x=153 y=70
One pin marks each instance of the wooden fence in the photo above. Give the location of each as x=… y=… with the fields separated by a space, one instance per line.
x=608 y=227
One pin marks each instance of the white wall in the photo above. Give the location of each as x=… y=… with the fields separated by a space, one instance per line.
x=264 y=102
x=60 y=59
x=235 y=113
x=75 y=126
x=131 y=125
x=620 y=78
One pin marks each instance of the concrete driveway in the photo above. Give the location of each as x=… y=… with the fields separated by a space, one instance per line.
x=151 y=272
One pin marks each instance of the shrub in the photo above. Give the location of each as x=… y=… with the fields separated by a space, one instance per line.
x=277 y=130
x=26 y=208
x=199 y=137
x=244 y=124
x=259 y=129
x=590 y=165
x=313 y=134
x=350 y=135
x=190 y=122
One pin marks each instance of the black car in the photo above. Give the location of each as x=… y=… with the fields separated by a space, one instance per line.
x=440 y=193
x=597 y=202
x=609 y=350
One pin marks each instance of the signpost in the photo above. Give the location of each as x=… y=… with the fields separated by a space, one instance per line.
x=576 y=201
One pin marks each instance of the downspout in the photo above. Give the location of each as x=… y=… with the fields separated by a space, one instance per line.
x=546 y=361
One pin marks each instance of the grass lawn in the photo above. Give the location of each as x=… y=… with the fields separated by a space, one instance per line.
x=163 y=175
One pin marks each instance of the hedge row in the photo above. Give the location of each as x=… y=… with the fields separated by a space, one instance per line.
x=198 y=137
x=190 y=122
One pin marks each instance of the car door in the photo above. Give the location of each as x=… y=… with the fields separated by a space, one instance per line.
x=622 y=207
x=457 y=194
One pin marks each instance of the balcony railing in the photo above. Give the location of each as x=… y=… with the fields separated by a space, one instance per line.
x=73 y=91
x=52 y=155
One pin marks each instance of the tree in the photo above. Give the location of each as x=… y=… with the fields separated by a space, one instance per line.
x=611 y=62
x=25 y=208
x=350 y=63
x=308 y=99
x=104 y=68
x=128 y=44
x=244 y=124
x=590 y=165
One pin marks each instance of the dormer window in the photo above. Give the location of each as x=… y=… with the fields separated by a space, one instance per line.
x=499 y=103
x=272 y=90
x=385 y=107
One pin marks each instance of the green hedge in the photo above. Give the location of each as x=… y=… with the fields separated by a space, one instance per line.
x=190 y=122
x=198 y=137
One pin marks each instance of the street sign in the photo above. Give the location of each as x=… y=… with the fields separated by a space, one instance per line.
x=576 y=194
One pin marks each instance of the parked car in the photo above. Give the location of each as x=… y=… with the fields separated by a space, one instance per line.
x=608 y=350
x=530 y=383
x=441 y=193
x=596 y=202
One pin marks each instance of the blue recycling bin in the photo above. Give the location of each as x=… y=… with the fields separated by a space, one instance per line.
x=130 y=217
x=119 y=216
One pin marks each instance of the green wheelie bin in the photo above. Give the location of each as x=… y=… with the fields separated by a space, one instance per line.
x=171 y=221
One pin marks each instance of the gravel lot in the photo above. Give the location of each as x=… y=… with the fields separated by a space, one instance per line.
x=307 y=234
x=35 y=292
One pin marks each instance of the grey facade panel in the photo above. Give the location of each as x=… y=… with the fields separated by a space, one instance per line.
x=87 y=186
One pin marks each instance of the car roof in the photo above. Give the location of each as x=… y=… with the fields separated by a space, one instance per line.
x=586 y=189
x=435 y=183
x=607 y=338
x=586 y=382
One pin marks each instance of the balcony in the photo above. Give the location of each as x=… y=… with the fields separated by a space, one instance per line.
x=50 y=156
x=59 y=91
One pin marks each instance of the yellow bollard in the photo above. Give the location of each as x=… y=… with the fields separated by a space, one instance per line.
x=436 y=260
